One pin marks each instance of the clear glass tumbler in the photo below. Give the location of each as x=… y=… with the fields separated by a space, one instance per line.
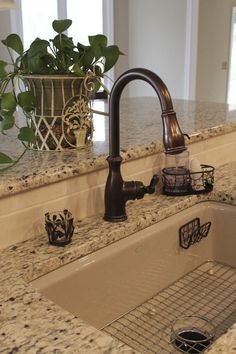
x=176 y=174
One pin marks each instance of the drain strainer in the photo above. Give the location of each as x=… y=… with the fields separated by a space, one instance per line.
x=192 y=334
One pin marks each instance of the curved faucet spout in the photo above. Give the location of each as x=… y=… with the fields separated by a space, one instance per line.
x=173 y=140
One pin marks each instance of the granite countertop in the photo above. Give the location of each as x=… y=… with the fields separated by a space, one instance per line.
x=141 y=135
x=32 y=324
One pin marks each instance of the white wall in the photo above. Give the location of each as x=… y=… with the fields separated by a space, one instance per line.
x=5 y=29
x=152 y=26
x=213 y=49
x=121 y=34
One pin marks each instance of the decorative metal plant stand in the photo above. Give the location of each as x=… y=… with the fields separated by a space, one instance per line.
x=63 y=115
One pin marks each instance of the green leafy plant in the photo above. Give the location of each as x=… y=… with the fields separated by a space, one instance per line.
x=57 y=56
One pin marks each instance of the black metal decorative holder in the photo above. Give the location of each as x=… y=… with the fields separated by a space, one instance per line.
x=193 y=232
x=180 y=181
x=59 y=226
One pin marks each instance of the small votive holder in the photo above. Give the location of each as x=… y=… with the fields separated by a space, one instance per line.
x=59 y=226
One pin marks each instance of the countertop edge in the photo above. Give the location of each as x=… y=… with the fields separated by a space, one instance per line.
x=27 y=182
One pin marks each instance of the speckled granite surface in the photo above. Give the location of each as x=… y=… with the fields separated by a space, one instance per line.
x=32 y=324
x=141 y=135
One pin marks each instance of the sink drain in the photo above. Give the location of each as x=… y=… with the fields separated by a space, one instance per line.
x=192 y=334
x=192 y=342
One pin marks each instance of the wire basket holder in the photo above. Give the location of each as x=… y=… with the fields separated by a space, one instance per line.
x=181 y=181
x=193 y=232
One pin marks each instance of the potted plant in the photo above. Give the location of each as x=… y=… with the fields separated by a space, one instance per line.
x=52 y=83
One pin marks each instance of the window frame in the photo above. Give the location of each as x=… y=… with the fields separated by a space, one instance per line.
x=108 y=24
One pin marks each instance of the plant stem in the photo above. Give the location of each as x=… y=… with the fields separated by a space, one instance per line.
x=12 y=60
x=13 y=88
x=63 y=57
x=15 y=162
x=4 y=85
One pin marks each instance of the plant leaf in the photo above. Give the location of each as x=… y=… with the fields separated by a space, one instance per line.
x=14 y=42
x=87 y=58
x=36 y=59
x=62 y=42
x=3 y=72
x=97 y=43
x=8 y=103
x=41 y=64
x=98 y=40
x=77 y=70
x=5 y=158
x=111 y=54
x=98 y=70
x=81 y=47
x=26 y=100
x=35 y=65
x=22 y=62
x=38 y=46
x=60 y=26
x=27 y=134
x=7 y=123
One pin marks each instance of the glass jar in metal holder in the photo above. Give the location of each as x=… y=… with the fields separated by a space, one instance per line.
x=180 y=181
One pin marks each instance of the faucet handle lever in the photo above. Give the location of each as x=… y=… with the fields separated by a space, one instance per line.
x=136 y=189
x=152 y=186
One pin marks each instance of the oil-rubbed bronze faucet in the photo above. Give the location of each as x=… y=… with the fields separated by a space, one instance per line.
x=117 y=192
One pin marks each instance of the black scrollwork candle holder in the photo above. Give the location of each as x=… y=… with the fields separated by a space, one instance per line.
x=59 y=226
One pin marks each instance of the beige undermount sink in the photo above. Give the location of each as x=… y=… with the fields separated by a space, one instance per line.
x=136 y=288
